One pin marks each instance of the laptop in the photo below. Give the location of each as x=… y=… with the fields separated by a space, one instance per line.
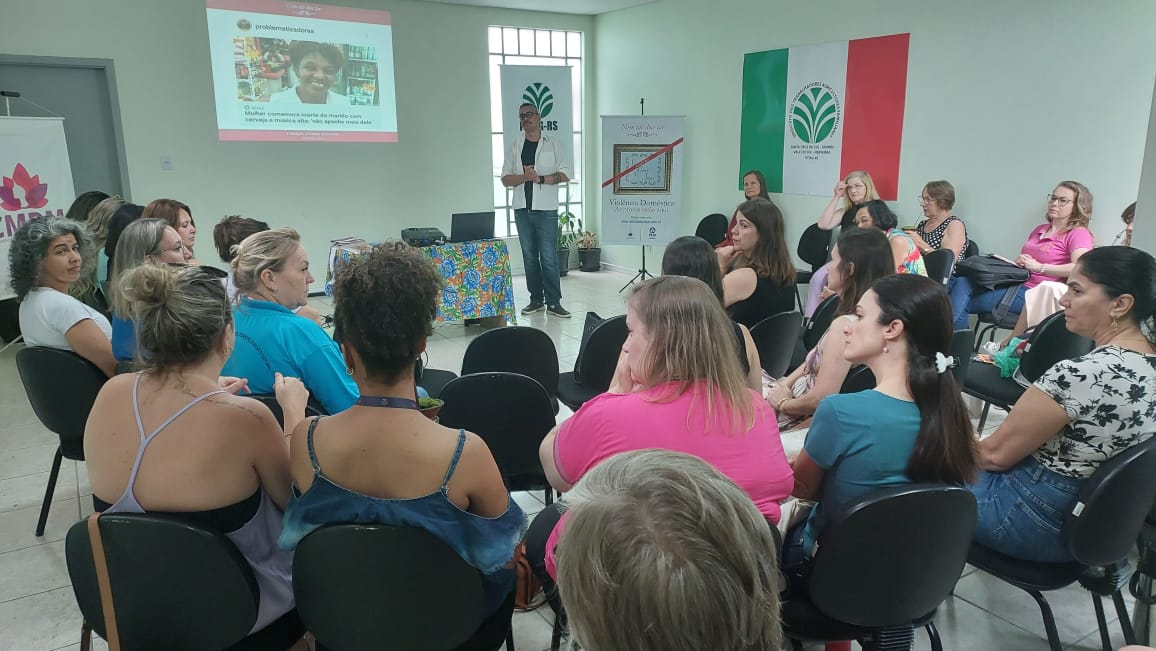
x=470 y=226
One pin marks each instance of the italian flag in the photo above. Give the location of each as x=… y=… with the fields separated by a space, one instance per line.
x=812 y=114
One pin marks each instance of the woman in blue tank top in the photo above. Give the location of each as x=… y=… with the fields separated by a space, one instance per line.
x=381 y=460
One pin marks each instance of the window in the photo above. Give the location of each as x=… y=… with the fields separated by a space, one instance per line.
x=538 y=47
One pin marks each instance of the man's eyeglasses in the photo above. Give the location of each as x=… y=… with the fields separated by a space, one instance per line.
x=1063 y=201
x=526 y=116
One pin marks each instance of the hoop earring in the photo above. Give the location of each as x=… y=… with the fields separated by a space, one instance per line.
x=349 y=370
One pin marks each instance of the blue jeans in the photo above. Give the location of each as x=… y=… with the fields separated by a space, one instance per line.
x=965 y=301
x=1022 y=510
x=538 y=235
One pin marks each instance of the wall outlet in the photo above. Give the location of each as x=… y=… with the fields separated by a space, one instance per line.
x=166 y=163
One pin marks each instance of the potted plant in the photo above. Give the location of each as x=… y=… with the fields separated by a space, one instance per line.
x=589 y=254
x=568 y=228
x=430 y=407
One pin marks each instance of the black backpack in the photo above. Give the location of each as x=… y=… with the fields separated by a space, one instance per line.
x=989 y=272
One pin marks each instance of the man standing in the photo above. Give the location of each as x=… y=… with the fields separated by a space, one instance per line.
x=537 y=163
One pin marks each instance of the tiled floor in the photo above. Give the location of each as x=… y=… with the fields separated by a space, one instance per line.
x=37 y=610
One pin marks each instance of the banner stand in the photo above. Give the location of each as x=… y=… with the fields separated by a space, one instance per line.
x=642 y=273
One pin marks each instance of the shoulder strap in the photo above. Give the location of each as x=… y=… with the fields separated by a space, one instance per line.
x=102 y=581
x=309 y=444
x=454 y=462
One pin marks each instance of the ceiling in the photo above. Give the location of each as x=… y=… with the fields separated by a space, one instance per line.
x=585 y=7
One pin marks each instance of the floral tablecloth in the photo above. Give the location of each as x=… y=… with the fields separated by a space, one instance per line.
x=478 y=283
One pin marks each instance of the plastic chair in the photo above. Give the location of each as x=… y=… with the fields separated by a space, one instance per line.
x=961 y=347
x=512 y=414
x=312 y=408
x=713 y=228
x=814 y=246
x=1099 y=531
x=595 y=365
x=61 y=387
x=431 y=379
x=1050 y=343
x=175 y=585
x=775 y=338
x=884 y=564
x=939 y=264
x=515 y=349
x=859 y=378
x=820 y=321
x=375 y=586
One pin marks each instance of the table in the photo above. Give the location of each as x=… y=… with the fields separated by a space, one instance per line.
x=478 y=282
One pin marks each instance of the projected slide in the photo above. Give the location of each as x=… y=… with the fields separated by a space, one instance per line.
x=299 y=71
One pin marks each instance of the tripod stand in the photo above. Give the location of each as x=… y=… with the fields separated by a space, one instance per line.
x=642 y=274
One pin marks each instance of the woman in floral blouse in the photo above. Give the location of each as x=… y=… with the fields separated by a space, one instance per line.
x=1080 y=413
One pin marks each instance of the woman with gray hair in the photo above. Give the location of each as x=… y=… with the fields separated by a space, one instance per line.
x=662 y=551
x=144 y=240
x=44 y=260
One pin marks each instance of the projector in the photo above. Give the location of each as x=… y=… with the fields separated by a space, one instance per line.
x=423 y=236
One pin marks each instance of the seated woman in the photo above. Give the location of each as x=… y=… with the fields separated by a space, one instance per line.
x=227 y=235
x=1124 y=237
x=180 y=217
x=876 y=214
x=754 y=185
x=614 y=564
x=1076 y=416
x=856 y=188
x=1050 y=253
x=759 y=275
x=99 y=219
x=859 y=258
x=693 y=257
x=217 y=459
x=144 y=240
x=939 y=229
x=678 y=387
x=271 y=271
x=45 y=258
x=126 y=214
x=903 y=334
x=381 y=460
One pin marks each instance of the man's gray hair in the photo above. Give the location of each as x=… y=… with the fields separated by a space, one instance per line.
x=661 y=551
x=30 y=246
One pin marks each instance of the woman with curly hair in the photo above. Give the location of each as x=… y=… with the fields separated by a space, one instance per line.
x=44 y=260
x=381 y=460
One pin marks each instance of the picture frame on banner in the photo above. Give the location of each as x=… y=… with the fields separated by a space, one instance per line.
x=652 y=177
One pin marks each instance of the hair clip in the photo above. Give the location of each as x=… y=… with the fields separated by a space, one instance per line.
x=943 y=362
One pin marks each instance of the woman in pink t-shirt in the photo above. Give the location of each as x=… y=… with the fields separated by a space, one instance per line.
x=679 y=386
x=1050 y=253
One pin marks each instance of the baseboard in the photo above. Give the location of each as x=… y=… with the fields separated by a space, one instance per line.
x=619 y=268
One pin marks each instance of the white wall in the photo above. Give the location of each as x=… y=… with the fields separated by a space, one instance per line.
x=441 y=165
x=1004 y=98
x=1145 y=234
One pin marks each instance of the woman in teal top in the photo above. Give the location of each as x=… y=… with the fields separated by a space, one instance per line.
x=271 y=273
x=381 y=460
x=912 y=427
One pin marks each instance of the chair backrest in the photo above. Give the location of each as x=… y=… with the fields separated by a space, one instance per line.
x=61 y=386
x=971 y=249
x=814 y=246
x=1050 y=343
x=375 y=586
x=775 y=338
x=312 y=408
x=713 y=228
x=512 y=414
x=820 y=320
x=962 y=343
x=859 y=378
x=515 y=349
x=1112 y=505
x=175 y=585
x=893 y=555
x=938 y=264
x=594 y=367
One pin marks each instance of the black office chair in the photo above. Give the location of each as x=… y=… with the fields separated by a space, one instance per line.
x=1141 y=586
x=961 y=347
x=594 y=368
x=939 y=264
x=884 y=564
x=175 y=585
x=61 y=387
x=1099 y=531
x=987 y=323
x=1050 y=343
x=859 y=378
x=512 y=414
x=312 y=408
x=820 y=321
x=775 y=338
x=713 y=228
x=431 y=379
x=516 y=349
x=373 y=586
x=814 y=248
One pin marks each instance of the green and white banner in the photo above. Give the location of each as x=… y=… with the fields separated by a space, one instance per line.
x=549 y=88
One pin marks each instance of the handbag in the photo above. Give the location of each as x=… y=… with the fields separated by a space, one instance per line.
x=528 y=594
x=990 y=272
